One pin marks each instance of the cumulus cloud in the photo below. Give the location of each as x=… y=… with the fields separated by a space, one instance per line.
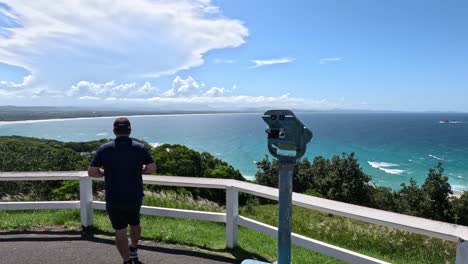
x=23 y=89
x=260 y=63
x=186 y=93
x=91 y=90
x=214 y=92
x=27 y=80
x=116 y=39
x=183 y=87
x=330 y=60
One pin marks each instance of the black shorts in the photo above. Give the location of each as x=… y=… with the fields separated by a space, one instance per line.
x=122 y=215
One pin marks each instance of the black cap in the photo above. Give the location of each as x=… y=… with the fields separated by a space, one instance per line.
x=122 y=125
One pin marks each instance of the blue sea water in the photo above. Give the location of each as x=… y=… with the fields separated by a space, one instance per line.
x=392 y=147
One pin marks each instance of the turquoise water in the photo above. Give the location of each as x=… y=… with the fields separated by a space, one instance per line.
x=390 y=147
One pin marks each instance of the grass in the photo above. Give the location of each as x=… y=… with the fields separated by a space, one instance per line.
x=373 y=240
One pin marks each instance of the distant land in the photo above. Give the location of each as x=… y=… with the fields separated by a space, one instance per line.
x=20 y=113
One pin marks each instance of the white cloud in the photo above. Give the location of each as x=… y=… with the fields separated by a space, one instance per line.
x=89 y=98
x=10 y=89
x=260 y=63
x=183 y=87
x=87 y=90
x=244 y=101
x=330 y=60
x=225 y=102
x=67 y=41
x=224 y=61
x=214 y=92
x=185 y=94
x=5 y=93
x=239 y=101
x=27 y=80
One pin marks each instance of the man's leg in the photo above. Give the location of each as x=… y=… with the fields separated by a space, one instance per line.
x=135 y=234
x=121 y=241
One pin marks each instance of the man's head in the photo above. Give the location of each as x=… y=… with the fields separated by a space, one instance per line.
x=122 y=127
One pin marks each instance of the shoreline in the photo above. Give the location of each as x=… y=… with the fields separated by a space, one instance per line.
x=27 y=121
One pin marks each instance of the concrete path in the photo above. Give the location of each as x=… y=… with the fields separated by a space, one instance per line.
x=66 y=247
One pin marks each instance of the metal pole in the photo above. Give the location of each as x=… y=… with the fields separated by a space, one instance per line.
x=286 y=169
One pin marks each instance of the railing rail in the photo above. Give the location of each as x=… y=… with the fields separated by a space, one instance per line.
x=232 y=218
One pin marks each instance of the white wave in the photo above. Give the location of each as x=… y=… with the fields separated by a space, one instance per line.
x=386 y=167
x=393 y=171
x=378 y=165
x=452 y=122
x=459 y=177
x=459 y=188
x=435 y=157
x=102 y=134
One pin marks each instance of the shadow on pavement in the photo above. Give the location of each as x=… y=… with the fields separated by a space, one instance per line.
x=18 y=236
x=238 y=253
x=168 y=249
x=50 y=236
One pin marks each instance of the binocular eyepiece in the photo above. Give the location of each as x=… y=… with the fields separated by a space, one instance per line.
x=287 y=133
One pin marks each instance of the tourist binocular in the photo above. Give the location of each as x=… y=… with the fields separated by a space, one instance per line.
x=287 y=136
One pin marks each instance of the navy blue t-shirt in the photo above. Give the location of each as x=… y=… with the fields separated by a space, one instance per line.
x=123 y=160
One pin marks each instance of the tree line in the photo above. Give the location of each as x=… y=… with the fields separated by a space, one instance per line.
x=32 y=154
x=341 y=178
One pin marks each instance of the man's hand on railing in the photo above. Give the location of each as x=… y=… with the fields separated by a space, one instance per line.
x=95 y=172
x=149 y=168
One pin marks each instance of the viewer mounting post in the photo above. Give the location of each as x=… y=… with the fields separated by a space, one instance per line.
x=287 y=141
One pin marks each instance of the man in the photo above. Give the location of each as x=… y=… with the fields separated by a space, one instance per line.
x=121 y=162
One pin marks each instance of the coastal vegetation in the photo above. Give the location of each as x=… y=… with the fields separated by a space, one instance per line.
x=339 y=178
x=342 y=179
x=32 y=154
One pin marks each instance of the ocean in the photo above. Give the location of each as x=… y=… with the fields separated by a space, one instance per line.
x=391 y=147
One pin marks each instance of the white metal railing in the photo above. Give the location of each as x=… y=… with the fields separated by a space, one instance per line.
x=232 y=218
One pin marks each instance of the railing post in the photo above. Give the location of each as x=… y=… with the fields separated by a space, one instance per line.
x=462 y=252
x=86 y=206
x=232 y=212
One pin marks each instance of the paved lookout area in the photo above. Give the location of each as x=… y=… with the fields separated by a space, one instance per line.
x=67 y=247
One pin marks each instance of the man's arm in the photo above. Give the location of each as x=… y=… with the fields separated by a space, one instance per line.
x=94 y=169
x=149 y=168
x=95 y=172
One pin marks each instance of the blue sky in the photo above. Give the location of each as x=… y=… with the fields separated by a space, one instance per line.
x=377 y=55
